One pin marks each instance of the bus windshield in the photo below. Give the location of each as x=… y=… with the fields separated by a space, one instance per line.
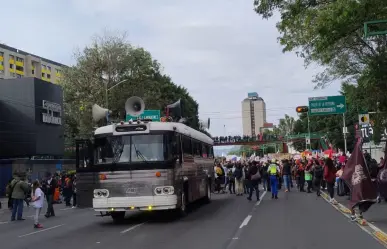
x=131 y=149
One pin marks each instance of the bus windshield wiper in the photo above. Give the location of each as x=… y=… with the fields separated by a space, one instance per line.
x=139 y=154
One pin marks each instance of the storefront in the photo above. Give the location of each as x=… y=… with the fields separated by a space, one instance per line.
x=31 y=118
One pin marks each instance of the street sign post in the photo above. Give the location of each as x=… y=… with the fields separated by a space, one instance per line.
x=153 y=115
x=327 y=105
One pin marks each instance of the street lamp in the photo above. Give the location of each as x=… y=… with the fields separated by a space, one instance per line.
x=108 y=89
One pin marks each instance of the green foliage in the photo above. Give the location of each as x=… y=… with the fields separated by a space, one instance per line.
x=330 y=33
x=111 y=61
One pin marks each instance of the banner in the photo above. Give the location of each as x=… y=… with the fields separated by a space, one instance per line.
x=358 y=179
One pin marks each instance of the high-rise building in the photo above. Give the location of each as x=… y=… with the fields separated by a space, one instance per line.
x=15 y=63
x=253 y=114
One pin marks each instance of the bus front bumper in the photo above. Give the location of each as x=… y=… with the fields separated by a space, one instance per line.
x=117 y=204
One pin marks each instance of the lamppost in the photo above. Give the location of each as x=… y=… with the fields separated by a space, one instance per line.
x=108 y=89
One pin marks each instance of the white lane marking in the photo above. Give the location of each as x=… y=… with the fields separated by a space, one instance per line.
x=4 y=222
x=132 y=228
x=43 y=230
x=245 y=221
x=260 y=199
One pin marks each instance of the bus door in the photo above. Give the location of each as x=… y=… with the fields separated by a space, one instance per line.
x=86 y=181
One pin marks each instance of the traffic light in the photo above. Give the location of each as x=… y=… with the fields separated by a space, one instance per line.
x=364 y=119
x=302 y=109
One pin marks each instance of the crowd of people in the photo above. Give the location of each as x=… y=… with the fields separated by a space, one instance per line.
x=52 y=188
x=309 y=175
x=244 y=177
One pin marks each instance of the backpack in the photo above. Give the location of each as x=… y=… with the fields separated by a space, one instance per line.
x=219 y=171
x=10 y=188
x=238 y=173
x=373 y=168
x=318 y=172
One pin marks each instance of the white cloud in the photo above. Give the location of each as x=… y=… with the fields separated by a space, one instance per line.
x=219 y=49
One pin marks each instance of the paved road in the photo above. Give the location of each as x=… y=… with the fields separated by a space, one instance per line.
x=295 y=221
x=376 y=214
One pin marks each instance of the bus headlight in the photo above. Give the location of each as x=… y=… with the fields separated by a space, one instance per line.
x=101 y=193
x=165 y=190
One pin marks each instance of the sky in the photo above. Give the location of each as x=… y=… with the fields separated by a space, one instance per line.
x=219 y=50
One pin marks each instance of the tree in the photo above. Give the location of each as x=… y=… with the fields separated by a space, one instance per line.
x=330 y=33
x=286 y=125
x=110 y=62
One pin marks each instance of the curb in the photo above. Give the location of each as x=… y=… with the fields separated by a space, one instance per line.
x=366 y=226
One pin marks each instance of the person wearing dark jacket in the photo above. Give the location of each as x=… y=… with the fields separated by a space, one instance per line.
x=330 y=178
x=287 y=174
x=318 y=174
x=49 y=189
x=253 y=177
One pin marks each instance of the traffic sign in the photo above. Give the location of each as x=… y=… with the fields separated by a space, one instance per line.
x=327 y=105
x=364 y=119
x=153 y=115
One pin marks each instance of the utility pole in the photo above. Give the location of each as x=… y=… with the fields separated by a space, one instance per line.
x=345 y=134
x=305 y=109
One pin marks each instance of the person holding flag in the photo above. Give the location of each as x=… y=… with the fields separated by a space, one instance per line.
x=358 y=179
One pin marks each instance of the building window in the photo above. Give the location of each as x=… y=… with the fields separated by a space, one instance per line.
x=43 y=75
x=19 y=59
x=33 y=71
x=49 y=68
x=19 y=68
x=48 y=76
x=18 y=76
x=11 y=66
x=1 y=71
x=13 y=74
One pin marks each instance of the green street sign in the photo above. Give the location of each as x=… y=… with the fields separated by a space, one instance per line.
x=327 y=105
x=153 y=115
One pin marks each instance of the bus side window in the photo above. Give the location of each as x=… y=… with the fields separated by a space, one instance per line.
x=197 y=148
x=204 y=151
x=210 y=152
x=187 y=146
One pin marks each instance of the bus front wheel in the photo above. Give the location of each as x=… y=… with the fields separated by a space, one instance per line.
x=207 y=198
x=118 y=216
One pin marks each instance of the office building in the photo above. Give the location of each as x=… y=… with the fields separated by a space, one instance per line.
x=253 y=114
x=15 y=63
x=30 y=118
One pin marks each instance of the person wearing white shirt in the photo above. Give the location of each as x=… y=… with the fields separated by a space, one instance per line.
x=38 y=200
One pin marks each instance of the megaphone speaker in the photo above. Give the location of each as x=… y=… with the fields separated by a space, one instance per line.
x=99 y=112
x=134 y=106
x=205 y=125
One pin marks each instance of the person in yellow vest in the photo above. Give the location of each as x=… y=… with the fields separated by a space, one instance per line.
x=274 y=172
x=308 y=176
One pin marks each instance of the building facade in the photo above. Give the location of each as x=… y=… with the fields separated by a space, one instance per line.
x=253 y=114
x=30 y=118
x=15 y=63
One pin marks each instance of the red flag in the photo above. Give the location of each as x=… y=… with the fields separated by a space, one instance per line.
x=358 y=179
